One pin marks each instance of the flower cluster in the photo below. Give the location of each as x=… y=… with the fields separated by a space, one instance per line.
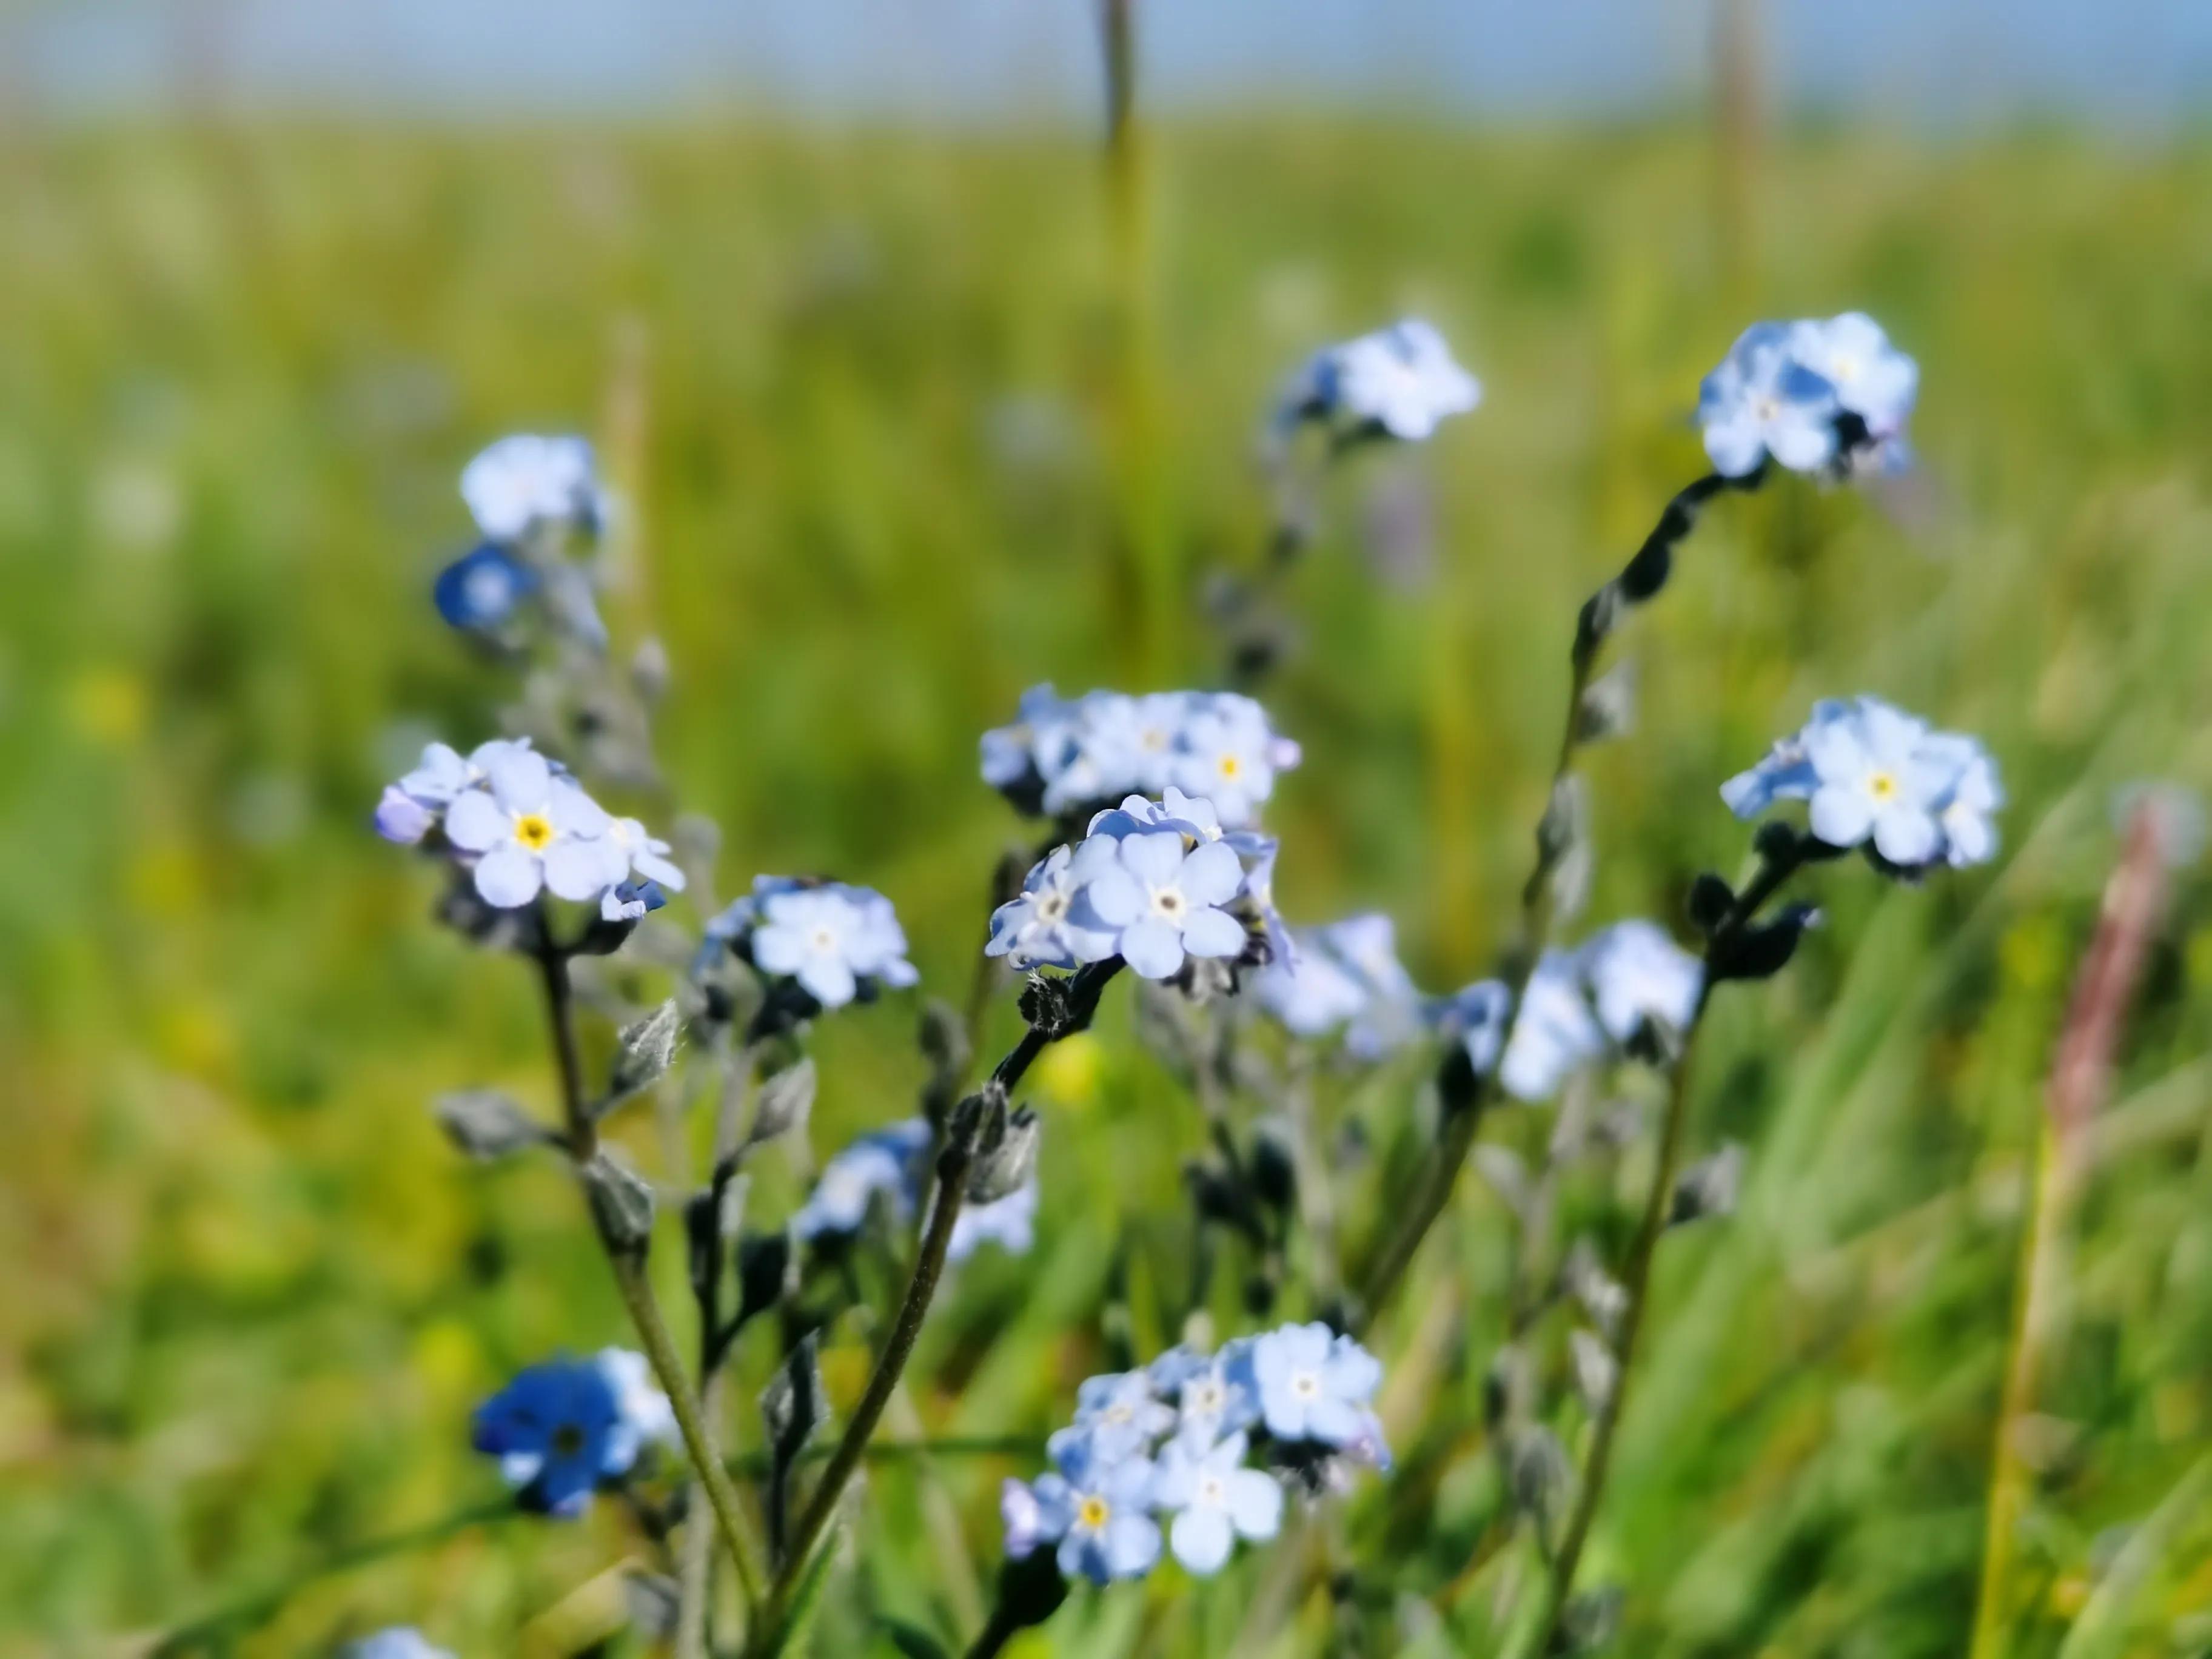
x=1205 y=1440
x=526 y=493
x=1066 y=756
x=1807 y=395
x=1345 y=974
x=836 y=942
x=1152 y=882
x=1399 y=381
x=1579 y=1004
x=1875 y=776
x=561 y=1429
x=518 y=823
x=893 y=1163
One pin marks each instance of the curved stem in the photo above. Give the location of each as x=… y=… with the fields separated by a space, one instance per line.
x=629 y=1266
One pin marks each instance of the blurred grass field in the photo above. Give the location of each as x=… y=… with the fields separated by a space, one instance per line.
x=911 y=434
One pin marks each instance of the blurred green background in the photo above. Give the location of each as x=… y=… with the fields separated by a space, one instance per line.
x=908 y=423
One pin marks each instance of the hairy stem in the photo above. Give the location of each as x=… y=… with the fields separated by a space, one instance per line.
x=629 y=1266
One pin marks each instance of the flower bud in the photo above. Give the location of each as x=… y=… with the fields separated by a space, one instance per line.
x=787 y=1100
x=487 y=1124
x=622 y=1203
x=1608 y=706
x=644 y=1052
x=1005 y=1155
x=1708 y=1187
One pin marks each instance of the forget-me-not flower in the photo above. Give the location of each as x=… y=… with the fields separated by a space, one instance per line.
x=1636 y=973
x=647 y=854
x=833 y=940
x=1117 y=1416
x=1763 y=402
x=1061 y=754
x=1401 y=381
x=1215 y=1500
x=1039 y=929
x=1313 y=1383
x=1311 y=993
x=524 y=481
x=1035 y=1513
x=1213 y=1397
x=1872 y=378
x=1109 y=1533
x=482 y=590
x=1230 y=756
x=1346 y=974
x=530 y=826
x=557 y=1431
x=885 y=1161
x=1159 y=902
x=643 y=1415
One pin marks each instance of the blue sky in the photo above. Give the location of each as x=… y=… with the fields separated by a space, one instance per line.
x=2129 y=62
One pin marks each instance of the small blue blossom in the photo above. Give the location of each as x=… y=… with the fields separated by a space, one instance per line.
x=523 y=482
x=1875 y=775
x=1159 y=902
x=1761 y=402
x=885 y=1162
x=401 y=818
x=557 y=1431
x=1636 y=973
x=1400 y=380
x=400 y=1642
x=1035 y=1514
x=1039 y=928
x=1062 y=756
x=1009 y=1223
x=1346 y=974
x=528 y=828
x=412 y=807
x=632 y=900
x=1556 y=1031
x=1309 y=991
x=1110 y=1534
x=835 y=941
x=1314 y=1385
x=1872 y=378
x=1215 y=1500
x=480 y=591
x=1117 y=1416
x=1213 y=1397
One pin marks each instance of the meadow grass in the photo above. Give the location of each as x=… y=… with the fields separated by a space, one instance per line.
x=907 y=434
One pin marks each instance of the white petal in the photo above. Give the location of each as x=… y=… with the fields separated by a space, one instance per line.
x=475 y=824
x=1841 y=817
x=1212 y=874
x=1906 y=835
x=827 y=981
x=507 y=877
x=1153 y=949
x=1256 y=1503
x=1201 y=1539
x=1211 y=933
x=583 y=869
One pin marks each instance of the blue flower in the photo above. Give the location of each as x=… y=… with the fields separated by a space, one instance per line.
x=400 y=1642
x=401 y=818
x=1039 y=929
x=632 y=900
x=557 y=1431
x=1636 y=973
x=1229 y=755
x=1215 y=1500
x=1009 y=1222
x=1011 y=752
x=1345 y=974
x=1213 y=1397
x=1401 y=380
x=524 y=480
x=1555 y=1033
x=411 y=808
x=1035 y=1514
x=886 y=1162
x=1117 y=1416
x=1872 y=378
x=1159 y=902
x=1309 y=991
x=480 y=591
x=643 y=1416
x=1762 y=402
x=1313 y=1385
x=647 y=854
x=833 y=940
x=1110 y=1534
x=528 y=828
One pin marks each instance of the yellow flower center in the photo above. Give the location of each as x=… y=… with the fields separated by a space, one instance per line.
x=533 y=831
x=1230 y=765
x=1091 y=1513
x=1882 y=786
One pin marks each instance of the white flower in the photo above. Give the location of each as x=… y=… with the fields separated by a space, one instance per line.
x=531 y=828
x=524 y=480
x=1313 y=1384
x=1215 y=1500
x=1872 y=378
x=1636 y=973
x=1402 y=380
x=1311 y=993
x=1159 y=903
x=643 y=1416
x=1762 y=402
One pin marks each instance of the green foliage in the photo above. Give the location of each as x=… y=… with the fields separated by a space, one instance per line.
x=914 y=436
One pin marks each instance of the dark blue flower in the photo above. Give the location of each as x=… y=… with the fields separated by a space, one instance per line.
x=555 y=1431
x=482 y=589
